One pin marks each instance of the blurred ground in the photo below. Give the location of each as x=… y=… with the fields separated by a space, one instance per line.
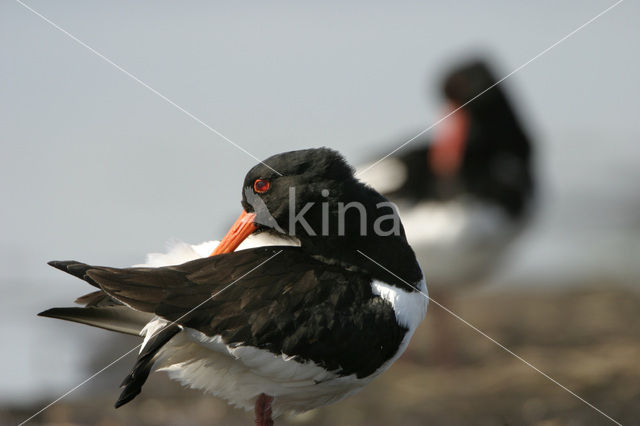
x=587 y=338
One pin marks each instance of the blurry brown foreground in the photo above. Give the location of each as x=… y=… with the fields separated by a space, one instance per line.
x=587 y=339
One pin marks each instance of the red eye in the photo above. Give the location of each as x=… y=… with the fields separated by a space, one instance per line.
x=261 y=186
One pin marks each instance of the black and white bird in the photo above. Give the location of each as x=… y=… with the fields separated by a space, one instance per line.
x=465 y=194
x=323 y=297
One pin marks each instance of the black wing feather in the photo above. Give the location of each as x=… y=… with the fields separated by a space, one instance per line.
x=292 y=304
x=114 y=318
x=140 y=371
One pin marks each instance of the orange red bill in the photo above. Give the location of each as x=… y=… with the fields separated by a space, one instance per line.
x=239 y=231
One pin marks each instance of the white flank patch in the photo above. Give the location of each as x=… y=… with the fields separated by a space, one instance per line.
x=410 y=307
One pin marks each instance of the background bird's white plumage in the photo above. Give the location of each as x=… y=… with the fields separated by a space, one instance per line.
x=458 y=241
x=389 y=174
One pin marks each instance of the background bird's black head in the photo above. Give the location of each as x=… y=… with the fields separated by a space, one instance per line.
x=498 y=155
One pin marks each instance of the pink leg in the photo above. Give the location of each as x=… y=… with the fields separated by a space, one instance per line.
x=263 y=410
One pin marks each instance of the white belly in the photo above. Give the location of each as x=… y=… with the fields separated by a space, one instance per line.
x=240 y=374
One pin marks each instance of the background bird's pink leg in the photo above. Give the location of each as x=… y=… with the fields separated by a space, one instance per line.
x=263 y=410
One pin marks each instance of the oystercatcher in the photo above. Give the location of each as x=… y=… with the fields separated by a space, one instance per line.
x=327 y=298
x=467 y=193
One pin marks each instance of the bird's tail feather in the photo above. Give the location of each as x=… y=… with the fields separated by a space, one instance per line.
x=77 y=269
x=115 y=318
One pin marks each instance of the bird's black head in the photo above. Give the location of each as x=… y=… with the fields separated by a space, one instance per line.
x=281 y=186
x=312 y=195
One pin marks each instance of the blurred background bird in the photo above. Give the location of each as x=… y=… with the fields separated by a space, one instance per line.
x=464 y=194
